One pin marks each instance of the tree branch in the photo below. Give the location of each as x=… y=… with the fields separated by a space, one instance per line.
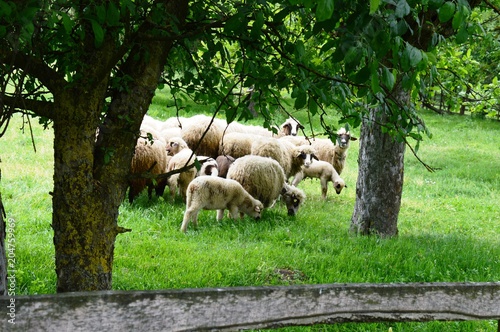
x=53 y=80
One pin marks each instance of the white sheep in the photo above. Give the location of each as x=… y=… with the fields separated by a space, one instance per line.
x=264 y=179
x=237 y=144
x=288 y=155
x=149 y=156
x=181 y=156
x=193 y=132
x=215 y=193
x=325 y=172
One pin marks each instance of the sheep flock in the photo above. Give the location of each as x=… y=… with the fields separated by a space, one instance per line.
x=213 y=165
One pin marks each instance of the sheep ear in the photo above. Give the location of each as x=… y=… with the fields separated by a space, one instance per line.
x=353 y=138
x=314 y=157
x=345 y=185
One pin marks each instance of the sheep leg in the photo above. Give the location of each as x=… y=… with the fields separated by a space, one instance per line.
x=324 y=187
x=233 y=211
x=297 y=178
x=188 y=215
x=220 y=215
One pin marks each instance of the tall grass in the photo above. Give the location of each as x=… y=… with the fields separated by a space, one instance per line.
x=449 y=226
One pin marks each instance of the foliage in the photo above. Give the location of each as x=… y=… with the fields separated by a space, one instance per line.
x=466 y=75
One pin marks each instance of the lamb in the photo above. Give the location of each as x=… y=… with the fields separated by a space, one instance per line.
x=289 y=156
x=334 y=154
x=264 y=179
x=325 y=172
x=149 y=155
x=223 y=163
x=181 y=156
x=215 y=193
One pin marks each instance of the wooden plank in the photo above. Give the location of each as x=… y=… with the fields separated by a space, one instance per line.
x=231 y=309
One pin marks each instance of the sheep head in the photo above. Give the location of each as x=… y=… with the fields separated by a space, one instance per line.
x=293 y=198
x=307 y=154
x=291 y=127
x=174 y=145
x=343 y=138
x=338 y=185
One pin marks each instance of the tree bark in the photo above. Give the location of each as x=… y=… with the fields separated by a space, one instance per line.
x=380 y=177
x=90 y=173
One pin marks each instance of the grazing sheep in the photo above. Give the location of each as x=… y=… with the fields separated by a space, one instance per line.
x=288 y=155
x=290 y=127
x=237 y=144
x=214 y=193
x=208 y=167
x=293 y=198
x=223 y=163
x=325 y=172
x=264 y=179
x=149 y=155
x=335 y=154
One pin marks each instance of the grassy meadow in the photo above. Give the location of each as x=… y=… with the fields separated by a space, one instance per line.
x=449 y=225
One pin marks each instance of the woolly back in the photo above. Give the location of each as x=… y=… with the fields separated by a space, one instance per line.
x=262 y=177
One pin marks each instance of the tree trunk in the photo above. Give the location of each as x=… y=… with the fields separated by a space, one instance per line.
x=90 y=174
x=84 y=218
x=380 y=176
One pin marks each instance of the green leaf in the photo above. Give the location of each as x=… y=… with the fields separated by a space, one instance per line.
x=324 y=10
x=98 y=33
x=112 y=15
x=462 y=35
x=363 y=75
x=402 y=9
x=374 y=4
x=67 y=22
x=445 y=13
x=101 y=14
x=388 y=78
x=301 y=99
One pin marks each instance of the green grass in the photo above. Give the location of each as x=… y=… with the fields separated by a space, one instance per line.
x=449 y=226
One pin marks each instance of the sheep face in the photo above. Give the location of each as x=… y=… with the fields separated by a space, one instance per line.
x=291 y=127
x=307 y=155
x=338 y=185
x=293 y=198
x=256 y=211
x=174 y=145
x=343 y=138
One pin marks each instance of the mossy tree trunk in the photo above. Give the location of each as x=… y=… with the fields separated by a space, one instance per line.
x=380 y=176
x=90 y=173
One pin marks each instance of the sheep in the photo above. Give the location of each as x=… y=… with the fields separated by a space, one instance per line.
x=264 y=179
x=174 y=145
x=181 y=156
x=237 y=144
x=223 y=163
x=208 y=167
x=335 y=154
x=149 y=155
x=290 y=127
x=194 y=129
x=289 y=156
x=215 y=193
x=325 y=172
